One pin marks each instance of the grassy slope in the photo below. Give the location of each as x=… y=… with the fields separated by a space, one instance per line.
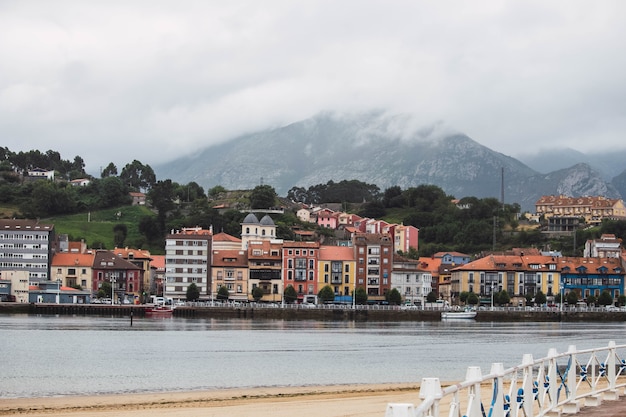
x=97 y=226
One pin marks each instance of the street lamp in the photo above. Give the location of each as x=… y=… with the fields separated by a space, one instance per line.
x=562 y=294
x=113 y=281
x=58 y=291
x=492 y=295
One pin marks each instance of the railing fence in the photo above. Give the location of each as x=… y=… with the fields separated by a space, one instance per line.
x=558 y=383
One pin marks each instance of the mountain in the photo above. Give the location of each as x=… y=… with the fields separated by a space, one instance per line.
x=378 y=149
x=608 y=163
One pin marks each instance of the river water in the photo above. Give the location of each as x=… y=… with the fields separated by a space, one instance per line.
x=72 y=355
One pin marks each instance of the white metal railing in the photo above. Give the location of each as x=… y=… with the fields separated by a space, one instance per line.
x=558 y=383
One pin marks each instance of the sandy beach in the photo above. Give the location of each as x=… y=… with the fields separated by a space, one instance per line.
x=330 y=401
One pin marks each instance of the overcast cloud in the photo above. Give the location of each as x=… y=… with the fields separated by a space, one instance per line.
x=114 y=81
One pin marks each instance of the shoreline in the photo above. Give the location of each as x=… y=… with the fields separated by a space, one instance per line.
x=359 y=399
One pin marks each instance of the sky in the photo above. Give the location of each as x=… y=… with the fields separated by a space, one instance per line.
x=115 y=81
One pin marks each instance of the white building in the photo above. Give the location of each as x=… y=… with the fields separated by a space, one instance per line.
x=27 y=245
x=413 y=283
x=188 y=260
x=608 y=246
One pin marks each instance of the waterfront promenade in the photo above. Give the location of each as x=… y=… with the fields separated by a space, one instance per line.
x=319 y=312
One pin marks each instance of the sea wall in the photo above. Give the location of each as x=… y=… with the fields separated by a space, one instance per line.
x=327 y=313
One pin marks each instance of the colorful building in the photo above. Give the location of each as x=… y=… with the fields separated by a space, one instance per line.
x=300 y=267
x=337 y=268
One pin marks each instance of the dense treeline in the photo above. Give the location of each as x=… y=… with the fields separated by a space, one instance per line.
x=469 y=225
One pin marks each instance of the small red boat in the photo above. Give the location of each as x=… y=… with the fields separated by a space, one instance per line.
x=159 y=311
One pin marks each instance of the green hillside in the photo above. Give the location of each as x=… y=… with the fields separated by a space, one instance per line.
x=96 y=227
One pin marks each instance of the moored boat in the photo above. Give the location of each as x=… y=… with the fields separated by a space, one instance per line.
x=159 y=311
x=467 y=313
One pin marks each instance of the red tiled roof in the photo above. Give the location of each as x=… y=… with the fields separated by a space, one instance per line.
x=158 y=262
x=225 y=237
x=336 y=253
x=73 y=259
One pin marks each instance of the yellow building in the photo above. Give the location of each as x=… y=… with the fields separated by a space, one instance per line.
x=337 y=268
x=592 y=209
x=518 y=275
x=229 y=269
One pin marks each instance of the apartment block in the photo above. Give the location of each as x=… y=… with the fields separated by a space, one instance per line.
x=27 y=245
x=187 y=261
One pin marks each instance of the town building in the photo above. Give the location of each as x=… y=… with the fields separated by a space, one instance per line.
x=259 y=230
x=300 y=267
x=27 y=245
x=140 y=258
x=124 y=277
x=405 y=238
x=187 y=261
x=265 y=268
x=608 y=246
x=592 y=209
x=337 y=268
x=230 y=269
x=14 y=286
x=591 y=276
x=520 y=276
x=157 y=275
x=53 y=292
x=73 y=269
x=373 y=253
x=413 y=283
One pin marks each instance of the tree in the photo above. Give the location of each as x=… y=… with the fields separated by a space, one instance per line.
x=431 y=297
x=109 y=171
x=105 y=290
x=262 y=197
x=222 y=293
x=360 y=296
x=193 y=293
x=591 y=300
x=463 y=296
x=326 y=294
x=216 y=191
x=120 y=231
x=394 y=297
x=502 y=298
x=529 y=299
x=472 y=299
x=290 y=294
x=621 y=300
x=605 y=298
x=257 y=293
x=571 y=298
x=138 y=176
x=540 y=298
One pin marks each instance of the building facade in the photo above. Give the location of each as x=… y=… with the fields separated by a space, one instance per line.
x=337 y=268
x=265 y=261
x=124 y=277
x=374 y=257
x=300 y=267
x=27 y=245
x=187 y=261
x=230 y=270
x=413 y=283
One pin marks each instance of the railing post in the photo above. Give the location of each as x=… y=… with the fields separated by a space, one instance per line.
x=572 y=382
x=571 y=405
x=474 y=401
x=527 y=384
x=431 y=388
x=610 y=366
x=497 y=400
x=552 y=378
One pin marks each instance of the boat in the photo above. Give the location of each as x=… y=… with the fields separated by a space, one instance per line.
x=467 y=313
x=159 y=311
